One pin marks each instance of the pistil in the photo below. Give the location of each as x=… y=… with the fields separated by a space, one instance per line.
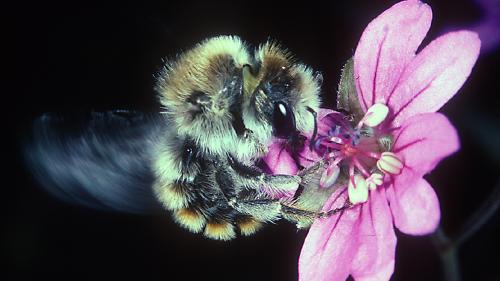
x=358 y=152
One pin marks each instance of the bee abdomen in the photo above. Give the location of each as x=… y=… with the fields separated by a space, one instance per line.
x=220 y=230
x=191 y=219
x=174 y=196
x=217 y=223
x=248 y=225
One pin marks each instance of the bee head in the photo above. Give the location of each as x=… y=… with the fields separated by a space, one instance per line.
x=281 y=94
x=215 y=93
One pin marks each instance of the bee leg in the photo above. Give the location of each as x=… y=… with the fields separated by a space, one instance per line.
x=256 y=178
x=269 y=210
x=304 y=218
x=292 y=210
x=310 y=173
x=264 y=209
x=253 y=210
x=226 y=184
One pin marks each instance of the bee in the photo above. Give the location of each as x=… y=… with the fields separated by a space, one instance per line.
x=201 y=158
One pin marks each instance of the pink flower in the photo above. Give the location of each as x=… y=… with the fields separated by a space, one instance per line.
x=397 y=137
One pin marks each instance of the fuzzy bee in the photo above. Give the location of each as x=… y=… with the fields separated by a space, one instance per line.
x=201 y=158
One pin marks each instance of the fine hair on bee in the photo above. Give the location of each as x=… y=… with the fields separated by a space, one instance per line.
x=223 y=104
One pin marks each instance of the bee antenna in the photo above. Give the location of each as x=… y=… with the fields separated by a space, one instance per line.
x=315 y=131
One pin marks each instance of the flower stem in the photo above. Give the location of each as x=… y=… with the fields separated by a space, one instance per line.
x=451 y=264
x=448 y=247
x=448 y=252
x=480 y=217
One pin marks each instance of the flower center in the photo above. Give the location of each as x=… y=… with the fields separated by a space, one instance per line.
x=361 y=152
x=349 y=150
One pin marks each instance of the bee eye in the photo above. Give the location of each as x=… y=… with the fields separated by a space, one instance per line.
x=283 y=120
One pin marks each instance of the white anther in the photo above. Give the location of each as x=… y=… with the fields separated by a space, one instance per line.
x=357 y=189
x=375 y=115
x=374 y=180
x=329 y=176
x=389 y=163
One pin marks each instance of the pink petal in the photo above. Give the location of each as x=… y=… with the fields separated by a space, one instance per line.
x=387 y=45
x=307 y=156
x=414 y=205
x=327 y=119
x=279 y=160
x=324 y=112
x=377 y=240
x=423 y=140
x=331 y=243
x=435 y=75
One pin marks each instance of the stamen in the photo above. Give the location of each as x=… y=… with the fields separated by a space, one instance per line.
x=357 y=189
x=338 y=159
x=334 y=131
x=375 y=115
x=355 y=151
x=332 y=145
x=360 y=167
x=374 y=180
x=385 y=142
x=329 y=176
x=389 y=163
x=370 y=154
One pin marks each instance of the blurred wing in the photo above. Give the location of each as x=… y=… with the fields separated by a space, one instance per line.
x=102 y=160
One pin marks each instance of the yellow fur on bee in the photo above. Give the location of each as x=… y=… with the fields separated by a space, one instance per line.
x=173 y=196
x=219 y=230
x=248 y=226
x=191 y=219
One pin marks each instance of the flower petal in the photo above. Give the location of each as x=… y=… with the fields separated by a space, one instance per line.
x=279 y=160
x=331 y=243
x=387 y=45
x=435 y=75
x=414 y=205
x=308 y=157
x=423 y=140
x=377 y=240
x=327 y=119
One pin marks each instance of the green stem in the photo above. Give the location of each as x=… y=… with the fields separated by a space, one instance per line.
x=451 y=264
x=480 y=217
x=448 y=252
x=448 y=248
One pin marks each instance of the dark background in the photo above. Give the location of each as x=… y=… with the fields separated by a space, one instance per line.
x=79 y=57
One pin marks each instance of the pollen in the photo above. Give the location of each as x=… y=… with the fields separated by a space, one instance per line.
x=220 y=230
x=191 y=219
x=248 y=225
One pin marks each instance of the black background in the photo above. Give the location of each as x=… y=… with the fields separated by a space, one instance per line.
x=79 y=57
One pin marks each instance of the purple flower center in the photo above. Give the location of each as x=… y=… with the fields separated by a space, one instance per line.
x=361 y=151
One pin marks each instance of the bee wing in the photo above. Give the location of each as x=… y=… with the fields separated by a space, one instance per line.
x=102 y=160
